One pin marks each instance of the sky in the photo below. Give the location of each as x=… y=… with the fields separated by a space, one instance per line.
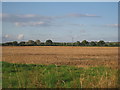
x=59 y=21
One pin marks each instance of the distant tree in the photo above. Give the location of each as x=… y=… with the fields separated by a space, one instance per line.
x=42 y=44
x=49 y=42
x=37 y=42
x=64 y=44
x=57 y=44
x=22 y=43
x=92 y=43
x=113 y=44
x=15 y=43
x=69 y=44
x=106 y=44
x=9 y=43
x=77 y=43
x=31 y=43
x=26 y=43
x=101 y=43
x=117 y=44
x=110 y=44
x=3 y=44
x=84 y=43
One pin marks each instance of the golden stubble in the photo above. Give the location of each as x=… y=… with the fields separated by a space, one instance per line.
x=62 y=55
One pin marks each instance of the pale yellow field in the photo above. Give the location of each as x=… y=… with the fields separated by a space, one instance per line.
x=61 y=55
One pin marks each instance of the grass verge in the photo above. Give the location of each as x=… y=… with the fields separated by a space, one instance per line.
x=53 y=76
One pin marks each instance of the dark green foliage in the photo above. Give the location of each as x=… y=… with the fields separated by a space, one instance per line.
x=51 y=43
x=42 y=44
x=22 y=43
x=30 y=43
x=101 y=43
x=15 y=43
x=77 y=43
x=92 y=43
x=85 y=43
x=7 y=44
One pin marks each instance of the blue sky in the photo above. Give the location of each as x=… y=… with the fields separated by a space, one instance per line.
x=60 y=21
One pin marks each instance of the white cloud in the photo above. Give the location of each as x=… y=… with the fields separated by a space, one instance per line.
x=20 y=36
x=36 y=17
x=78 y=24
x=17 y=24
x=82 y=15
x=27 y=16
x=24 y=17
x=6 y=36
x=112 y=25
x=39 y=23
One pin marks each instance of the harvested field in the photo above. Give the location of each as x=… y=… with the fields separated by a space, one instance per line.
x=61 y=55
x=89 y=70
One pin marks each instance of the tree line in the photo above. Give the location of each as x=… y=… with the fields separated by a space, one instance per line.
x=51 y=43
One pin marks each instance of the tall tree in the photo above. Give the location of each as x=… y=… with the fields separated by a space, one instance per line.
x=101 y=43
x=49 y=42
x=31 y=43
x=38 y=42
x=15 y=43
x=77 y=43
x=22 y=43
x=9 y=43
x=92 y=43
x=85 y=43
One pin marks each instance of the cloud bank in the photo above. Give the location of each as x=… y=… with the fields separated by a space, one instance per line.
x=82 y=15
x=38 y=20
x=39 y=23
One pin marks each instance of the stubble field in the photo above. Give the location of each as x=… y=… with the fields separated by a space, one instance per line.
x=60 y=55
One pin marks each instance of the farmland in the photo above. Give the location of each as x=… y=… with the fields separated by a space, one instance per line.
x=61 y=55
x=59 y=67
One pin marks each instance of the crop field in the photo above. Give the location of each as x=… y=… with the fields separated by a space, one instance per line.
x=59 y=67
x=61 y=55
